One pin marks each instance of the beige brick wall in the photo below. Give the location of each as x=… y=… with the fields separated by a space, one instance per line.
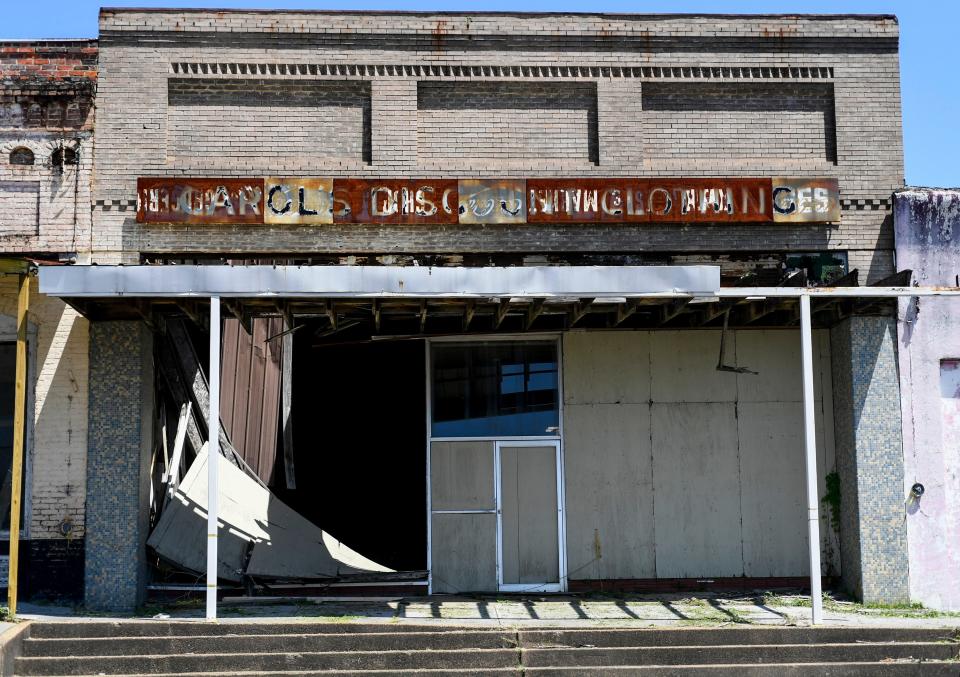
x=59 y=443
x=267 y=122
x=766 y=126
x=507 y=123
x=44 y=209
x=763 y=73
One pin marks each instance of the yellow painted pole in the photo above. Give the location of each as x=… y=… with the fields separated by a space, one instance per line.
x=19 y=427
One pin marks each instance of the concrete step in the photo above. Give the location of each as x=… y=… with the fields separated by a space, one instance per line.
x=859 y=669
x=488 y=658
x=156 y=628
x=739 y=654
x=900 y=669
x=634 y=637
x=458 y=639
x=230 y=643
x=474 y=659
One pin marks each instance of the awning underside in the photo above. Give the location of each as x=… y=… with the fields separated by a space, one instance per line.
x=509 y=315
x=430 y=301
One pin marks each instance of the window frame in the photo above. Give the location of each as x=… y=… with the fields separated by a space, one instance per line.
x=544 y=337
x=33 y=157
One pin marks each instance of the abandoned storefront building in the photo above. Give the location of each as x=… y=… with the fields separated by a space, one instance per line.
x=485 y=302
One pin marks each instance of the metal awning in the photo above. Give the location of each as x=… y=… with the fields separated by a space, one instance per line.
x=376 y=281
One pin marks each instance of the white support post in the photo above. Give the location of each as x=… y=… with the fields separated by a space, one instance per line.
x=810 y=446
x=213 y=458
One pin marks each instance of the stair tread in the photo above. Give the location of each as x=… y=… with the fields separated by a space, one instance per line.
x=670 y=647
x=440 y=671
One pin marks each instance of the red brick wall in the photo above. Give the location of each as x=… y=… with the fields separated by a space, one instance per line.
x=48 y=60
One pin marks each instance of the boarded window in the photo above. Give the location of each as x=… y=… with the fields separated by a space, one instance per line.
x=21 y=156
x=495 y=389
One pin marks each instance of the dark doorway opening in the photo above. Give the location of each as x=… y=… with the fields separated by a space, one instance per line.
x=359 y=439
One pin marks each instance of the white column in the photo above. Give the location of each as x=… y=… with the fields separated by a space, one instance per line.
x=213 y=458
x=810 y=446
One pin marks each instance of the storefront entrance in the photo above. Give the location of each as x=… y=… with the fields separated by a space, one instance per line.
x=496 y=464
x=529 y=512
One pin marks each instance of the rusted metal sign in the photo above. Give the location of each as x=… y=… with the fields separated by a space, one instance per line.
x=303 y=201
x=649 y=200
x=199 y=200
x=317 y=201
x=395 y=201
x=492 y=201
x=806 y=200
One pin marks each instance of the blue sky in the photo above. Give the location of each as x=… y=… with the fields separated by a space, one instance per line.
x=929 y=49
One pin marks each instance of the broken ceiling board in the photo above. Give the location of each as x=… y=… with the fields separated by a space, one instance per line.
x=609 y=490
x=180 y=536
x=697 y=497
x=285 y=544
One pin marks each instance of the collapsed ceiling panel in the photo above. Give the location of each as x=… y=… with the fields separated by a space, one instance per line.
x=284 y=544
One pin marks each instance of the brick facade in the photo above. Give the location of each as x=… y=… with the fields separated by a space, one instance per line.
x=46 y=107
x=46 y=160
x=464 y=95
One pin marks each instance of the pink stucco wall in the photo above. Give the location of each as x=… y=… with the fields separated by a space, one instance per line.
x=927 y=226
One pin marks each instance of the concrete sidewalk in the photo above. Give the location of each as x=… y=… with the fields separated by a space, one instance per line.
x=555 y=610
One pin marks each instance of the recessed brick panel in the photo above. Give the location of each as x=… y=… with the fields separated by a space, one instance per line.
x=507 y=121
x=19 y=207
x=767 y=122
x=263 y=122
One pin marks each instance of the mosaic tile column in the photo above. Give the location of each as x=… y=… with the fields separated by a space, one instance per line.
x=120 y=439
x=873 y=532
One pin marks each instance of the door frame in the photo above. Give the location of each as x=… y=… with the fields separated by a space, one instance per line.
x=538 y=440
x=561 y=545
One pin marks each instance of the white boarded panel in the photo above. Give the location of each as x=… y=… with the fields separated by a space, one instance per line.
x=683 y=367
x=464 y=553
x=606 y=366
x=775 y=354
x=609 y=496
x=528 y=494
x=774 y=489
x=461 y=476
x=697 y=496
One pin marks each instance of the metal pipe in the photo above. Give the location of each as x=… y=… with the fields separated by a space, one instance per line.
x=810 y=447
x=213 y=458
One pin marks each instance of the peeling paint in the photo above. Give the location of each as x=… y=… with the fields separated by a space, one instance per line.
x=927 y=230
